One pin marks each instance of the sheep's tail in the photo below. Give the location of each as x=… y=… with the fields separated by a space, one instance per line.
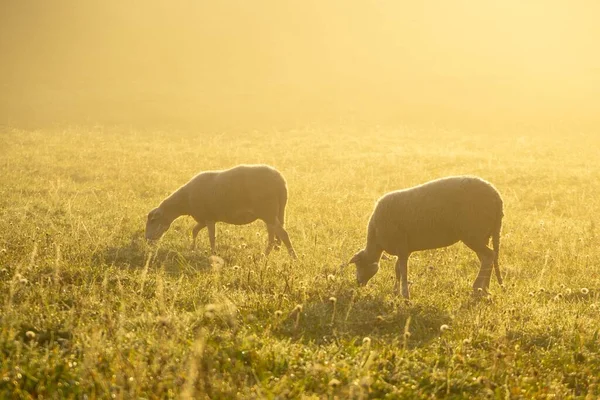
x=496 y=244
x=283 y=197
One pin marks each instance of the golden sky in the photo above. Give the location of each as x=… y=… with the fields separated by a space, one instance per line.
x=301 y=61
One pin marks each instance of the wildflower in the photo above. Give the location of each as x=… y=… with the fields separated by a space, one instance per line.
x=584 y=290
x=211 y=307
x=278 y=313
x=298 y=308
x=331 y=277
x=444 y=328
x=366 y=382
x=531 y=294
x=568 y=291
x=334 y=383
x=30 y=334
x=236 y=267
x=467 y=341
x=406 y=334
x=366 y=340
x=333 y=299
x=216 y=261
x=380 y=318
x=542 y=290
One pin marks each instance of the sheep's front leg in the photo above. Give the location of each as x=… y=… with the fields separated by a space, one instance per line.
x=402 y=276
x=211 y=235
x=199 y=226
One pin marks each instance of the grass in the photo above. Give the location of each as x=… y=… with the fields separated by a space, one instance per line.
x=89 y=310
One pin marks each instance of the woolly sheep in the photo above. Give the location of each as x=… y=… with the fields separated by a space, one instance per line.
x=435 y=214
x=238 y=196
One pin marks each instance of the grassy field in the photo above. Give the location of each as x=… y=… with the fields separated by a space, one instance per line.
x=89 y=310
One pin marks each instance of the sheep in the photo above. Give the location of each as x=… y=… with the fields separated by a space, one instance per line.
x=238 y=196
x=435 y=214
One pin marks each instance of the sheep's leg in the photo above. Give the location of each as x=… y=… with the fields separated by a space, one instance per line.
x=199 y=226
x=272 y=244
x=486 y=257
x=211 y=235
x=276 y=240
x=283 y=235
x=402 y=276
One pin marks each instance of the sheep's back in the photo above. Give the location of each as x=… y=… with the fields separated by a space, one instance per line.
x=255 y=188
x=438 y=213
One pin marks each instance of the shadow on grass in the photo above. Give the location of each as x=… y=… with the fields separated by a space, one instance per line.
x=137 y=253
x=376 y=318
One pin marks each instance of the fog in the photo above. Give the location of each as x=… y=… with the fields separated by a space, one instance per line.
x=250 y=64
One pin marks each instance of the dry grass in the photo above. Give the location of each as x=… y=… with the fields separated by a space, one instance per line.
x=89 y=309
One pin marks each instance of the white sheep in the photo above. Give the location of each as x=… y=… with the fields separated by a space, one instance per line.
x=239 y=196
x=433 y=215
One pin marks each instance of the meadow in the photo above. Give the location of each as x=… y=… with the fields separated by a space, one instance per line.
x=90 y=310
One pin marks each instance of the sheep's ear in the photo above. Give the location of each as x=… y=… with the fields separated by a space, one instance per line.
x=355 y=258
x=155 y=214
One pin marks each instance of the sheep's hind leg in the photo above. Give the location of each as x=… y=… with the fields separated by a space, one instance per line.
x=283 y=235
x=273 y=240
x=486 y=257
x=402 y=276
x=211 y=235
x=199 y=226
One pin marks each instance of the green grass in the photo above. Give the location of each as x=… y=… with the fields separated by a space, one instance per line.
x=87 y=308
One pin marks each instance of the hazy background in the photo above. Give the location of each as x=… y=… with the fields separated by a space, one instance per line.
x=283 y=62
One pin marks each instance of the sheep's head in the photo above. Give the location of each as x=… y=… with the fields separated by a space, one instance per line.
x=364 y=268
x=157 y=224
